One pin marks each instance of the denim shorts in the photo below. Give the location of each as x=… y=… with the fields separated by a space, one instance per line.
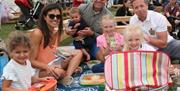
x=93 y=51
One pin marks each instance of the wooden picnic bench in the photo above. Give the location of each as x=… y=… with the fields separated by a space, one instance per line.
x=127 y=19
x=117 y=5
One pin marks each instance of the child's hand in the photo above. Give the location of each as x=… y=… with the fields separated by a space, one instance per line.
x=45 y=79
x=119 y=47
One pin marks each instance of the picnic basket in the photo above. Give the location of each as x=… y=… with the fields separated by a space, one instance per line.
x=134 y=69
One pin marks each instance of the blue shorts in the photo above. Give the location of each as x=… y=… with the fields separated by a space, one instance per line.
x=98 y=68
x=93 y=51
x=172 y=49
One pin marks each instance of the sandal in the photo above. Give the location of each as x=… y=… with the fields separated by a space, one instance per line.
x=78 y=70
x=176 y=73
x=67 y=81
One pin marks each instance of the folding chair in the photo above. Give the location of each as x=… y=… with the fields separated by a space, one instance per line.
x=135 y=69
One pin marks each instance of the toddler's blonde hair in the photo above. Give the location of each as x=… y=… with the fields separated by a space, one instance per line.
x=107 y=17
x=131 y=30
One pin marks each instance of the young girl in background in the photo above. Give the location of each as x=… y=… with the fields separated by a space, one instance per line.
x=18 y=74
x=109 y=41
x=134 y=39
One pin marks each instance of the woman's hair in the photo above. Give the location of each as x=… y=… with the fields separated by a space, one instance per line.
x=17 y=38
x=130 y=31
x=145 y=1
x=74 y=10
x=43 y=25
x=107 y=17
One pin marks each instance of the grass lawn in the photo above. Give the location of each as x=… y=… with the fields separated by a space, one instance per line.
x=7 y=28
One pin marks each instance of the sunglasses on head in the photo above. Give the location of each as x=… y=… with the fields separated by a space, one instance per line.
x=52 y=16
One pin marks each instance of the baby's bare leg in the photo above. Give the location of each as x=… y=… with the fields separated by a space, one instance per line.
x=86 y=54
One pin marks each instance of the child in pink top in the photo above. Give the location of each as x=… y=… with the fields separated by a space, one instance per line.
x=109 y=41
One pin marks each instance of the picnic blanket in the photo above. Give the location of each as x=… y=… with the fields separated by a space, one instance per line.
x=75 y=86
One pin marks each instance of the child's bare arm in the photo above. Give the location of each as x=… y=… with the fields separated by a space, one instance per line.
x=6 y=86
x=104 y=52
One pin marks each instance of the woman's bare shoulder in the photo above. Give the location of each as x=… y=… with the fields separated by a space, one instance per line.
x=36 y=32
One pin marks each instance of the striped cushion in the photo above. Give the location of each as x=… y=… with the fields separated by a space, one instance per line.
x=127 y=70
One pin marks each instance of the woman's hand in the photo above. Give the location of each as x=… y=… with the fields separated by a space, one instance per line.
x=56 y=71
x=65 y=62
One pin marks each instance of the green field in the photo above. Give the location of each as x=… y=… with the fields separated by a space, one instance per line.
x=6 y=29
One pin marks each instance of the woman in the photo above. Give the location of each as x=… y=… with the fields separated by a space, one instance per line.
x=124 y=11
x=45 y=40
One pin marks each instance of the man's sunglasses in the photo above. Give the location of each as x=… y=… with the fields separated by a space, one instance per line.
x=52 y=16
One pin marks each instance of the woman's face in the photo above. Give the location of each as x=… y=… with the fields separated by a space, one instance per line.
x=53 y=19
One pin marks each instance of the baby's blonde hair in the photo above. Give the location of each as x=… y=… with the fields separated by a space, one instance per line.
x=131 y=30
x=74 y=10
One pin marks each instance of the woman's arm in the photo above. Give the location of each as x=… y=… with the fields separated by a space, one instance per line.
x=36 y=38
x=6 y=86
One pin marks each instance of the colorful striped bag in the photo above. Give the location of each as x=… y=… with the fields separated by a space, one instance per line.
x=134 y=69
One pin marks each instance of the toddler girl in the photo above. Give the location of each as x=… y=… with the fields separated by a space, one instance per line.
x=134 y=39
x=18 y=73
x=109 y=41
